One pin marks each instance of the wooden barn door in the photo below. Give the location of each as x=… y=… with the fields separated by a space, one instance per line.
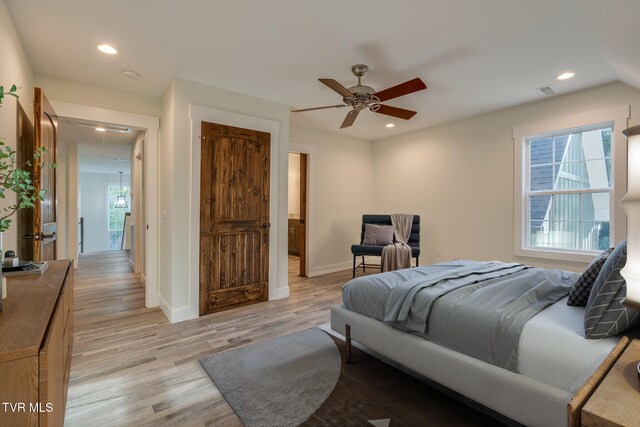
x=45 y=213
x=234 y=217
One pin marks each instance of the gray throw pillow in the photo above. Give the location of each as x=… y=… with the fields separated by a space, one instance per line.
x=378 y=235
x=579 y=293
x=605 y=316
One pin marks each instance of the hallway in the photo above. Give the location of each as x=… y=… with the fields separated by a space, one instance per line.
x=131 y=366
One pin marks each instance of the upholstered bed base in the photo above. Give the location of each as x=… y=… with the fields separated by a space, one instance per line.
x=515 y=396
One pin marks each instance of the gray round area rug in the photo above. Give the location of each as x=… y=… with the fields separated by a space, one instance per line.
x=280 y=382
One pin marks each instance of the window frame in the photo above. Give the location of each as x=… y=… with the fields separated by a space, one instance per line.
x=617 y=119
x=108 y=184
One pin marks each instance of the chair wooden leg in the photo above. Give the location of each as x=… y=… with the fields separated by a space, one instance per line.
x=363 y=266
x=417 y=261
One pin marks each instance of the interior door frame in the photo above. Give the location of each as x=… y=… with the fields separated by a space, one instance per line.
x=152 y=200
x=199 y=114
x=310 y=151
x=304 y=178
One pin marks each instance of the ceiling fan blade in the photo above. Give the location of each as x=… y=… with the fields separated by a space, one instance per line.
x=318 y=108
x=400 y=113
x=337 y=87
x=402 y=89
x=351 y=117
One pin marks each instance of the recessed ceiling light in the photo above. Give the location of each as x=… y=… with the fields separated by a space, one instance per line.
x=389 y=125
x=109 y=50
x=565 y=76
x=99 y=129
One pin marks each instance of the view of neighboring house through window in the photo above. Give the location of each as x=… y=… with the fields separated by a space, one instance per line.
x=568 y=189
x=115 y=216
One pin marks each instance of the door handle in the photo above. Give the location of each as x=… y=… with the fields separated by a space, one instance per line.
x=266 y=225
x=47 y=236
x=28 y=236
x=302 y=221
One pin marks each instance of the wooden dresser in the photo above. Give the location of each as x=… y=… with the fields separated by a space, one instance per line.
x=36 y=337
x=616 y=401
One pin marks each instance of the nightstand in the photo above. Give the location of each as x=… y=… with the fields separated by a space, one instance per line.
x=616 y=401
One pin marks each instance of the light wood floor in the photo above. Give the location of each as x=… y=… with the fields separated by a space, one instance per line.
x=131 y=366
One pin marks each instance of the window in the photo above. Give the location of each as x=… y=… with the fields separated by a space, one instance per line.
x=570 y=173
x=568 y=189
x=115 y=216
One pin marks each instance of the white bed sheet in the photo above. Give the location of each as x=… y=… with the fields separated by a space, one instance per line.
x=553 y=348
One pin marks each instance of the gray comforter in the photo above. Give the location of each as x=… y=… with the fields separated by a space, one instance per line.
x=478 y=309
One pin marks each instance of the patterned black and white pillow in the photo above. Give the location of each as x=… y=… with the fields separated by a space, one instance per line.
x=605 y=315
x=579 y=292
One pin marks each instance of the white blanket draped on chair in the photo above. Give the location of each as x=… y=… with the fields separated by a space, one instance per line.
x=398 y=255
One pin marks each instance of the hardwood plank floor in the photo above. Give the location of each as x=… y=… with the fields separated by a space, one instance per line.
x=132 y=367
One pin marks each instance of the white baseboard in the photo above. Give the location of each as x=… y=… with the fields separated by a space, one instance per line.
x=174 y=315
x=279 y=293
x=132 y=265
x=331 y=268
x=164 y=307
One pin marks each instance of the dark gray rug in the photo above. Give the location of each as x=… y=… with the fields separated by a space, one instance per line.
x=280 y=382
x=283 y=383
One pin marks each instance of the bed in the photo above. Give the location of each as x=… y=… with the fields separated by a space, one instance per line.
x=537 y=370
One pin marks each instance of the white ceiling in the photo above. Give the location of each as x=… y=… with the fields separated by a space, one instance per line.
x=99 y=152
x=475 y=56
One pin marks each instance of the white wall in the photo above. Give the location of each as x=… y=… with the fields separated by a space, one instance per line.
x=294 y=184
x=340 y=179
x=14 y=69
x=165 y=154
x=459 y=176
x=176 y=155
x=74 y=92
x=67 y=183
x=93 y=207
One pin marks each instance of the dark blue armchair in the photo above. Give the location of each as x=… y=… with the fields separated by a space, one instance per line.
x=369 y=250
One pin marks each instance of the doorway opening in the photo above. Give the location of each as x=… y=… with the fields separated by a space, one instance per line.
x=297 y=223
x=147 y=232
x=104 y=181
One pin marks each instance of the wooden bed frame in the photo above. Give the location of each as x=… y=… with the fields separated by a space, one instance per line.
x=575 y=405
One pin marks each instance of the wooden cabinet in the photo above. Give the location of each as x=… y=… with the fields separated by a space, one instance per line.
x=36 y=339
x=295 y=236
x=616 y=401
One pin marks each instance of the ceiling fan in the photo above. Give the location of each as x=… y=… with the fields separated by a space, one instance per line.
x=359 y=97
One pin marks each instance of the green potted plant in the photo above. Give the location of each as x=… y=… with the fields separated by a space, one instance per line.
x=15 y=179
